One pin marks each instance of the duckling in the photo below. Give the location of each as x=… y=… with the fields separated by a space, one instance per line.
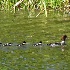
x=7 y=44
x=37 y=44
x=18 y=44
x=21 y=44
x=24 y=42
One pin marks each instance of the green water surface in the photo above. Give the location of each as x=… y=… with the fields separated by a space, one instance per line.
x=18 y=27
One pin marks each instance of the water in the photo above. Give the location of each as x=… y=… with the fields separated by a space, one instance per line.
x=16 y=28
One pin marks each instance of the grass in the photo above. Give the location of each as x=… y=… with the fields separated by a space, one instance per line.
x=17 y=28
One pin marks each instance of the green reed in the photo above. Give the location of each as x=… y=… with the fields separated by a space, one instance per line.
x=32 y=5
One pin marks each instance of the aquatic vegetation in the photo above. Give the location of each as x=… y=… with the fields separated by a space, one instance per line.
x=33 y=6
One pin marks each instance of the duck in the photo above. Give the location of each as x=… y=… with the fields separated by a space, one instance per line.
x=63 y=40
x=37 y=44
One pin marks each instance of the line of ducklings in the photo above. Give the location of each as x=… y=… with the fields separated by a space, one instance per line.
x=35 y=44
x=13 y=44
x=21 y=44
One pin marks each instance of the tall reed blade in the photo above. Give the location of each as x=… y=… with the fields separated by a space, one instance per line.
x=44 y=3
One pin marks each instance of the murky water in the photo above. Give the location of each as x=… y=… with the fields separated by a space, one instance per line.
x=19 y=27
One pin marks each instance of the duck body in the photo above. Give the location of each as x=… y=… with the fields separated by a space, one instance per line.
x=38 y=44
x=54 y=44
x=22 y=44
x=63 y=42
